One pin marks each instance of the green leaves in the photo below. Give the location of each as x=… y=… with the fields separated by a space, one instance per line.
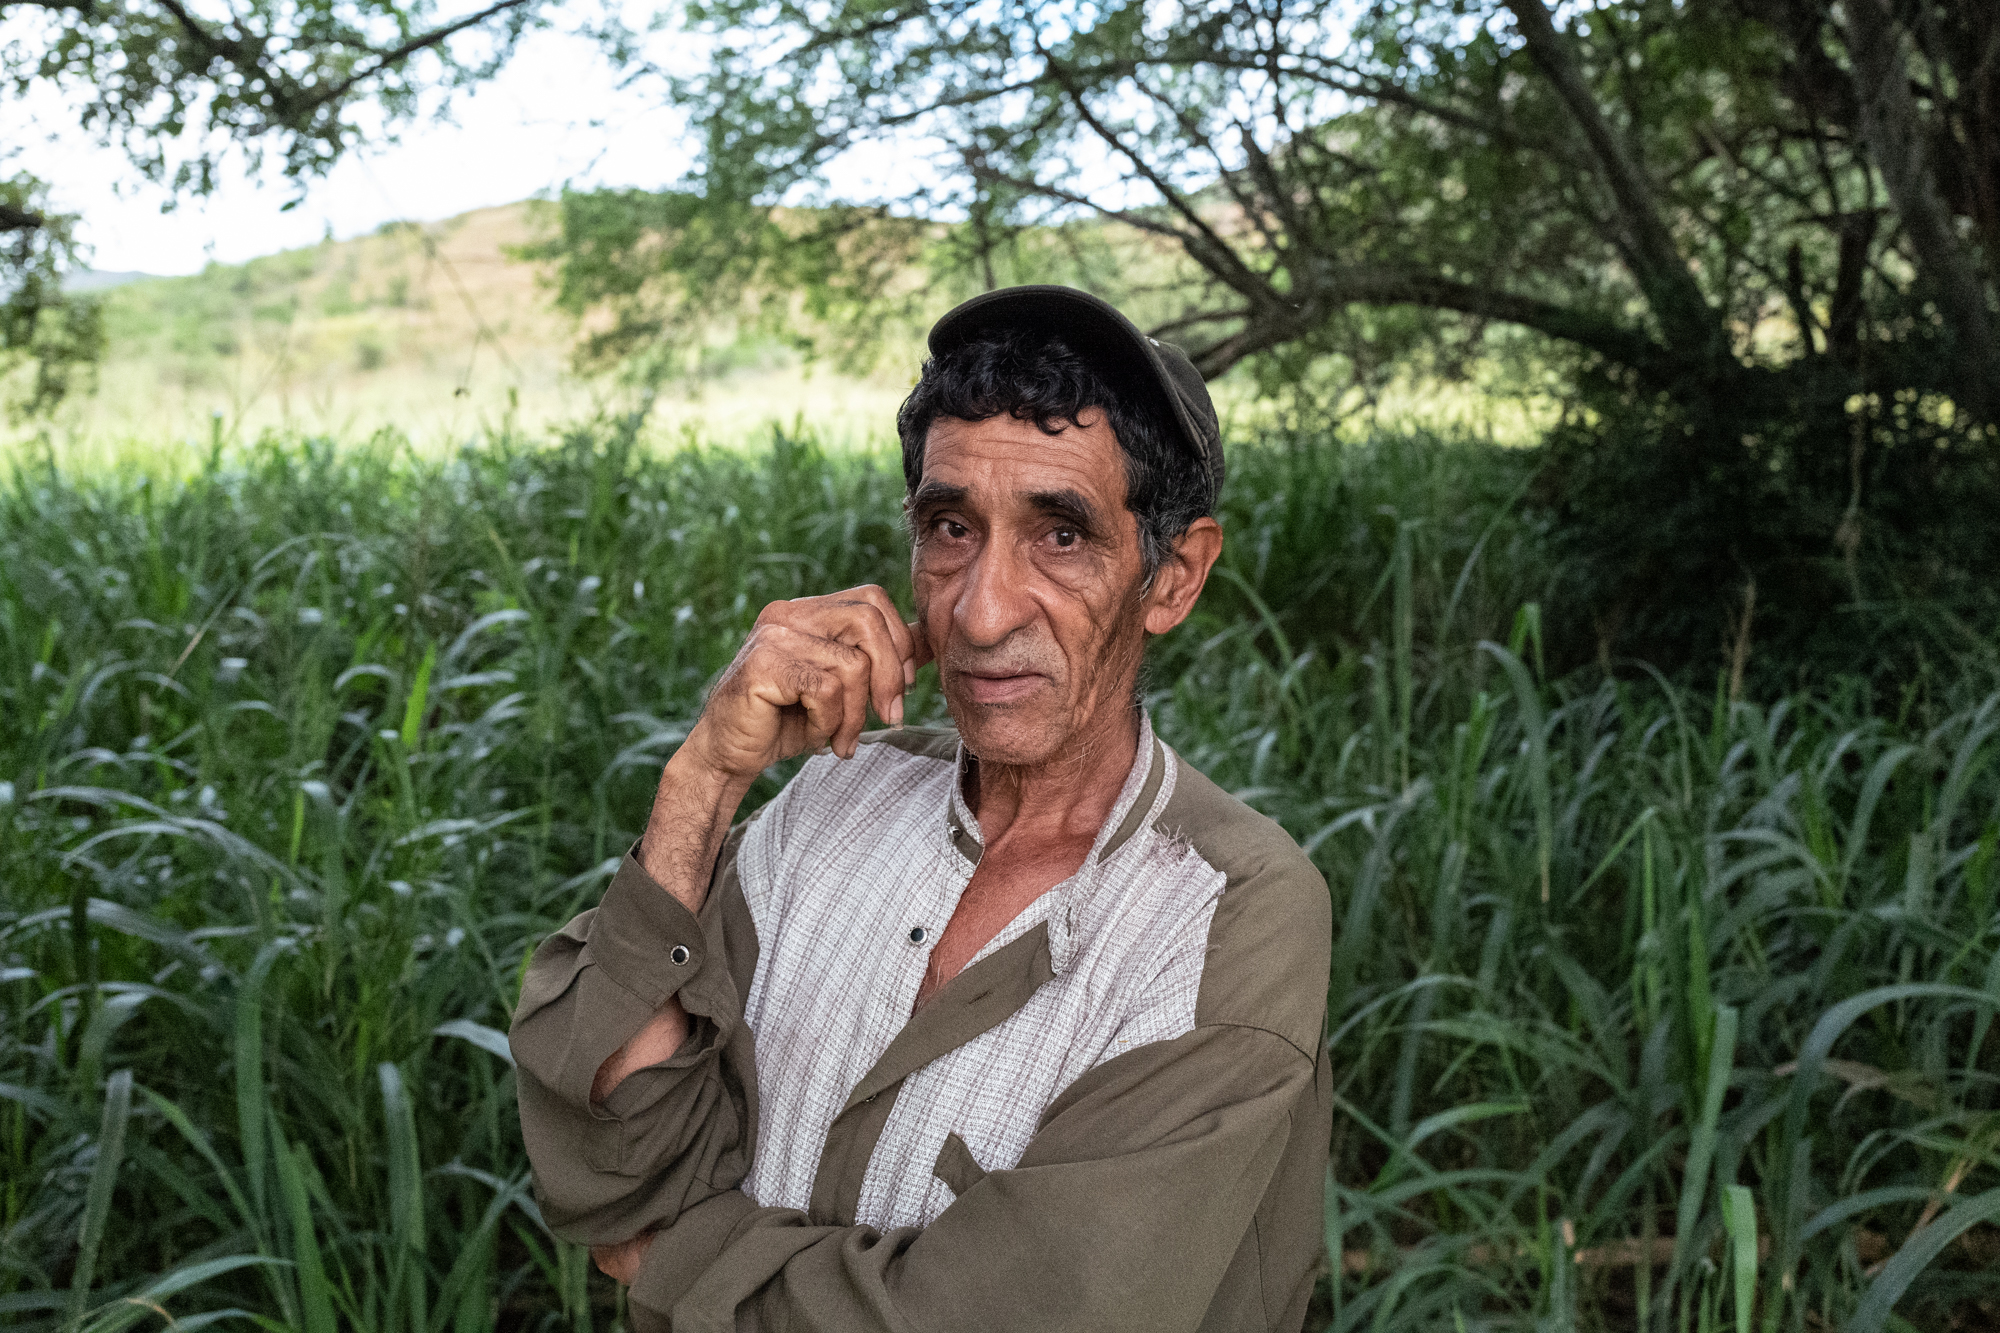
x=1739 y=1223
x=292 y=73
x=419 y=696
x=315 y=1293
x=408 y=1238
x=49 y=338
x=1728 y=895
x=1918 y=1253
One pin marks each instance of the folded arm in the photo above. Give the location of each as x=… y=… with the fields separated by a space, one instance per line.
x=1124 y=1211
x=1133 y=1199
x=613 y=1163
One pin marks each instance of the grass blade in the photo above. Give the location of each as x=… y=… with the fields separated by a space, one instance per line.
x=97 y=1194
x=315 y=1292
x=251 y=1101
x=406 y=1198
x=1534 y=728
x=1701 y=1145
x=1872 y=1315
x=1739 y=1222
x=413 y=708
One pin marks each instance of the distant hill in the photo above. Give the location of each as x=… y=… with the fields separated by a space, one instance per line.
x=98 y=280
x=428 y=328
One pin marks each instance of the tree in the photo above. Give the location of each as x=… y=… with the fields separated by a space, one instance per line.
x=180 y=86
x=38 y=326
x=1757 y=237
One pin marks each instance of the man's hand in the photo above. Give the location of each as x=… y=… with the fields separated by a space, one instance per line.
x=621 y=1262
x=805 y=678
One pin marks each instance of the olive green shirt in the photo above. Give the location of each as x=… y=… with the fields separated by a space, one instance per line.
x=1116 y=1117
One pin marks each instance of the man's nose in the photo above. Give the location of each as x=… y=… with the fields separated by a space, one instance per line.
x=993 y=602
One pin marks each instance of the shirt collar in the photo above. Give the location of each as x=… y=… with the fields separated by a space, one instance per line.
x=1136 y=799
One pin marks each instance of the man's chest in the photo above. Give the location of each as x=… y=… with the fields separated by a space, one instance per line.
x=839 y=969
x=1008 y=880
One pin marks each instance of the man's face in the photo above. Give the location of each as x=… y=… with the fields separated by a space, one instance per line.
x=1028 y=581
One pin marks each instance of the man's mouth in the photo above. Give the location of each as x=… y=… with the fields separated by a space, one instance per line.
x=982 y=687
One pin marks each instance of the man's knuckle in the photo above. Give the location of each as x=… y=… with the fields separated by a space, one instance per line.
x=805 y=680
x=776 y=644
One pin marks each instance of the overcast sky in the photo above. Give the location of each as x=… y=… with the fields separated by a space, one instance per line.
x=553 y=115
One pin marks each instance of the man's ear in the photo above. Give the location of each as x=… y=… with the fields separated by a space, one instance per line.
x=1180 y=577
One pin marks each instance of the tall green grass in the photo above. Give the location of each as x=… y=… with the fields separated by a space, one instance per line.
x=1651 y=1009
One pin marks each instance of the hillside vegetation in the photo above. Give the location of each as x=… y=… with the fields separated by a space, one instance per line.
x=1651 y=1009
x=432 y=330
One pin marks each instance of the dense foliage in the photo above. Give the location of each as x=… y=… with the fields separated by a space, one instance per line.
x=1648 y=1006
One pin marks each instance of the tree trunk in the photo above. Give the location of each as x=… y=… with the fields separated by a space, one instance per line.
x=1890 y=122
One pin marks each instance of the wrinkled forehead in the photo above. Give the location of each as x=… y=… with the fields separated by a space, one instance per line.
x=1004 y=460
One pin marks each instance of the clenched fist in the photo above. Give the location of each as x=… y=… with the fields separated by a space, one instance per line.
x=804 y=680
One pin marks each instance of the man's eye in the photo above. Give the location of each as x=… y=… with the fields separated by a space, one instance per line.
x=953 y=529
x=1065 y=537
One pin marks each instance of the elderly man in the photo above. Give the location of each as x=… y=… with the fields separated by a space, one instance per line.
x=1015 y=1026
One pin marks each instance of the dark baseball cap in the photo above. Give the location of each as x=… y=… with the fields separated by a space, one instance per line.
x=1094 y=330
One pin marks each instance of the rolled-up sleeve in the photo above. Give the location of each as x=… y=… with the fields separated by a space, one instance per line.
x=672 y=1135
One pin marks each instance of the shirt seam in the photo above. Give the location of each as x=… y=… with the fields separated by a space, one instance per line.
x=1304 y=1054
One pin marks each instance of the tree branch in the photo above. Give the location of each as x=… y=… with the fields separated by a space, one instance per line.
x=1662 y=273
x=19 y=219
x=1587 y=330
x=1186 y=322
x=1270 y=319
x=243 y=54
x=291 y=99
x=1325 y=74
x=397 y=55
x=1207 y=249
x=1843 y=320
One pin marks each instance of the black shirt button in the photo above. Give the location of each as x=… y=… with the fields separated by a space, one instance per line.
x=918 y=934
x=680 y=955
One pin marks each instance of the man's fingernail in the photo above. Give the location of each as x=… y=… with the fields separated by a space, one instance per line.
x=909 y=671
x=823 y=750
x=896 y=713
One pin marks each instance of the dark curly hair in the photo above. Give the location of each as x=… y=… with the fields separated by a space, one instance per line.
x=1038 y=377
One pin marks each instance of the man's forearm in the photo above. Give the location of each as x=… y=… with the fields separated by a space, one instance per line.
x=691 y=814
